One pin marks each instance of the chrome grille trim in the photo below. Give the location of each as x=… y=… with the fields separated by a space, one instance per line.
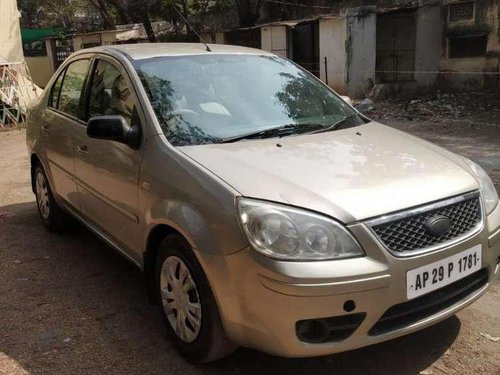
x=424 y=209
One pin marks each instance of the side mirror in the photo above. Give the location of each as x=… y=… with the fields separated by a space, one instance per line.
x=114 y=128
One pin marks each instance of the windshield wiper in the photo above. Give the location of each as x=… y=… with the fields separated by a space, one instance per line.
x=335 y=125
x=278 y=131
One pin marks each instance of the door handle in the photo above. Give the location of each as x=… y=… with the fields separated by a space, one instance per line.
x=45 y=126
x=83 y=150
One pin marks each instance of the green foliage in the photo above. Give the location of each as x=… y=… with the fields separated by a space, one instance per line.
x=168 y=8
x=89 y=15
x=50 y=13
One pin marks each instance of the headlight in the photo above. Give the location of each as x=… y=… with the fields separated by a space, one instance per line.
x=488 y=190
x=283 y=232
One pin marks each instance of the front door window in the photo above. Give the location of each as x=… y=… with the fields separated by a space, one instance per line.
x=110 y=93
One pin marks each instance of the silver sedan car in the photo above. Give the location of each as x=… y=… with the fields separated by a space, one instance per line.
x=263 y=209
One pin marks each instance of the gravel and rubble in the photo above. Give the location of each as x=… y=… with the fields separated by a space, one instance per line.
x=476 y=106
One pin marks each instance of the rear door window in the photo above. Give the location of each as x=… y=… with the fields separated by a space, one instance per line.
x=56 y=89
x=72 y=86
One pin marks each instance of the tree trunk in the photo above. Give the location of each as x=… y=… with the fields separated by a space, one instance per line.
x=146 y=21
x=185 y=13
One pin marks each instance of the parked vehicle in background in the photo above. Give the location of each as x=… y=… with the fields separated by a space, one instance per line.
x=264 y=210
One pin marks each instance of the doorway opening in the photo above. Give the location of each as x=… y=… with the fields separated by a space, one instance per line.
x=395 y=61
x=305 y=46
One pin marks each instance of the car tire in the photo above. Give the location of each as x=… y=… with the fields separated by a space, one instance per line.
x=182 y=289
x=53 y=217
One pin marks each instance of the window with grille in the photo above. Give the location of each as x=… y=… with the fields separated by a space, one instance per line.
x=461 y=11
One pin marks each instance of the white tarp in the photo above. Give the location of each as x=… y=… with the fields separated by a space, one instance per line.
x=138 y=32
x=11 y=48
x=17 y=91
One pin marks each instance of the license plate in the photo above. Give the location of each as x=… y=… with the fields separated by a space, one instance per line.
x=433 y=276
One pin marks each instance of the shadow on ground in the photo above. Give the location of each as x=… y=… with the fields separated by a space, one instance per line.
x=69 y=304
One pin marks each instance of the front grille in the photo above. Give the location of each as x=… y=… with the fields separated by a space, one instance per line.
x=404 y=314
x=407 y=232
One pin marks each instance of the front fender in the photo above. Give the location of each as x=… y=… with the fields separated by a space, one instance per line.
x=203 y=230
x=185 y=196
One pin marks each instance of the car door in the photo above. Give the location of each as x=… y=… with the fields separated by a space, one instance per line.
x=58 y=122
x=107 y=172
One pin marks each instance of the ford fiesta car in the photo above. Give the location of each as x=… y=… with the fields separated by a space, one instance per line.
x=264 y=210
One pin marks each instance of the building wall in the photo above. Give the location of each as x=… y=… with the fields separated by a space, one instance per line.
x=349 y=45
x=77 y=43
x=361 y=51
x=493 y=49
x=220 y=38
x=208 y=37
x=486 y=21
x=275 y=39
x=332 y=46
x=104 y=38
x=420 y=74
x=40 y=70
x=429 y=31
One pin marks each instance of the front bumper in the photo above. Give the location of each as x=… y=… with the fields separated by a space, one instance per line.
x=262 y=299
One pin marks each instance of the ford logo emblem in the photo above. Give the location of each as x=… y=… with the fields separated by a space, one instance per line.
x=437 y=225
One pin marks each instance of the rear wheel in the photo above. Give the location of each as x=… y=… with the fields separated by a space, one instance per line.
x=52 y=216
x=187 y=303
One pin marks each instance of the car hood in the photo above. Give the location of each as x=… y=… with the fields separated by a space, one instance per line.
x=351 y=174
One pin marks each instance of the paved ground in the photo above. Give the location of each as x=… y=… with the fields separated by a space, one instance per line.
x=69 y=304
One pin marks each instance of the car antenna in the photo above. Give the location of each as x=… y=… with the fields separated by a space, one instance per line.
x=192 y=28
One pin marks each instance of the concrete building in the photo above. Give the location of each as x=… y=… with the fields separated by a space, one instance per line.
x=131 y=33
x=471 y=44
x=389 y=51
x=59 y=48
x=346 y=51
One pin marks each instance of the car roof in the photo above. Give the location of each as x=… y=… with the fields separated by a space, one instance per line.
x=141 y=51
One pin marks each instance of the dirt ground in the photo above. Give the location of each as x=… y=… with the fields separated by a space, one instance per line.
x=71 y=305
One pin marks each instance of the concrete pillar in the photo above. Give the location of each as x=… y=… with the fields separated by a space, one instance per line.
x=332 y=52
x=50 y=45
x=429 y=33
x=275 y=39
x=361 y=47
x=220 y=38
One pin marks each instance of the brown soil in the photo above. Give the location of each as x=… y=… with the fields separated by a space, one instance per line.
x=71 y=305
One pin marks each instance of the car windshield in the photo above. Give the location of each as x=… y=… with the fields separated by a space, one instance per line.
x=213 y=98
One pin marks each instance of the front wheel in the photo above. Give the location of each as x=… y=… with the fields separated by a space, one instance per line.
x=187 y=303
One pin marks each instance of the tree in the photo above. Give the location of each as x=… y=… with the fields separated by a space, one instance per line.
x=174 y=11
x=107 y=20
x=72 y=15
x=249 y=11
x=121 y=9
x=141 y=9
x=127 y=11
x=30 y=10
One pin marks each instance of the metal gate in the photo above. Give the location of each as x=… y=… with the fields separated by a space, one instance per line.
x=62 y=53
x=395 y=61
